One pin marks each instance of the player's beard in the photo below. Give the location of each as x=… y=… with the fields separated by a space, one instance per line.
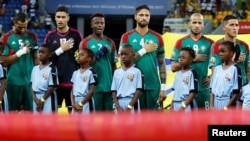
x=195 y=33
x=20 y=33
x=142 y=24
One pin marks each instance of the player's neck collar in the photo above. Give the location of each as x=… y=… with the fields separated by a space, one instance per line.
x=64 y=30
x=142 y=31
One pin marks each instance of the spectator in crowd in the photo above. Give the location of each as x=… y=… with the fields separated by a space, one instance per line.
x=41 y=20
x=166 y=28
x=48 y=22
x=32 y=13
x=1 y=30
x=24 y=8
x=2 y=7
x=36 y=23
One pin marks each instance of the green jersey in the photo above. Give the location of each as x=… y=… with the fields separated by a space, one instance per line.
x=242 y=61
x=19 y=72
x=201 y=46
x=104 y=64
x=148 y=62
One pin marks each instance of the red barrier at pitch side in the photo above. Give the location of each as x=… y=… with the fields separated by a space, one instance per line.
x=153 y=126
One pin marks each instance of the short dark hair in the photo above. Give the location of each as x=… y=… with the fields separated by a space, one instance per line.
x=229 y=44
x=47 y=46
x=129 y=47
x=189 y=50
x=233 y=47
x=22 y=17
x=97 y=14
x=62 y=8
x=229 y=17
x=89 y=52
x=140 y=7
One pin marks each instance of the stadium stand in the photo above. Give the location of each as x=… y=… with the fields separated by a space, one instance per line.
x=13 y=6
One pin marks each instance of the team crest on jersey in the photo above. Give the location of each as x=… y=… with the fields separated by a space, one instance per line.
x=228 y=76
x=130 y=76
x=27 y=43
x=45 y=75
x=203 y=48
x=185 y=80
x=212 y=60
x=85 y=78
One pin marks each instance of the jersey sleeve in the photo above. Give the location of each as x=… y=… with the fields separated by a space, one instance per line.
x=114 y=52
x=47 y=38
x=84 y=43
x=2 y=72
x=242 y=95
x=237 y=80
x=194 y=81
x=214 y=59
x=6 y=50
x=176 y=51
x=78 y=37
x=175 y=81
x=73 y=77
x=124 y=40
x=139 y=80
x=93 y=78
x=34 y=44
x=161 y=47
x=113 y=84
x=246 y=59
x=32 y=75
x=213 y=80
x=53 y=79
